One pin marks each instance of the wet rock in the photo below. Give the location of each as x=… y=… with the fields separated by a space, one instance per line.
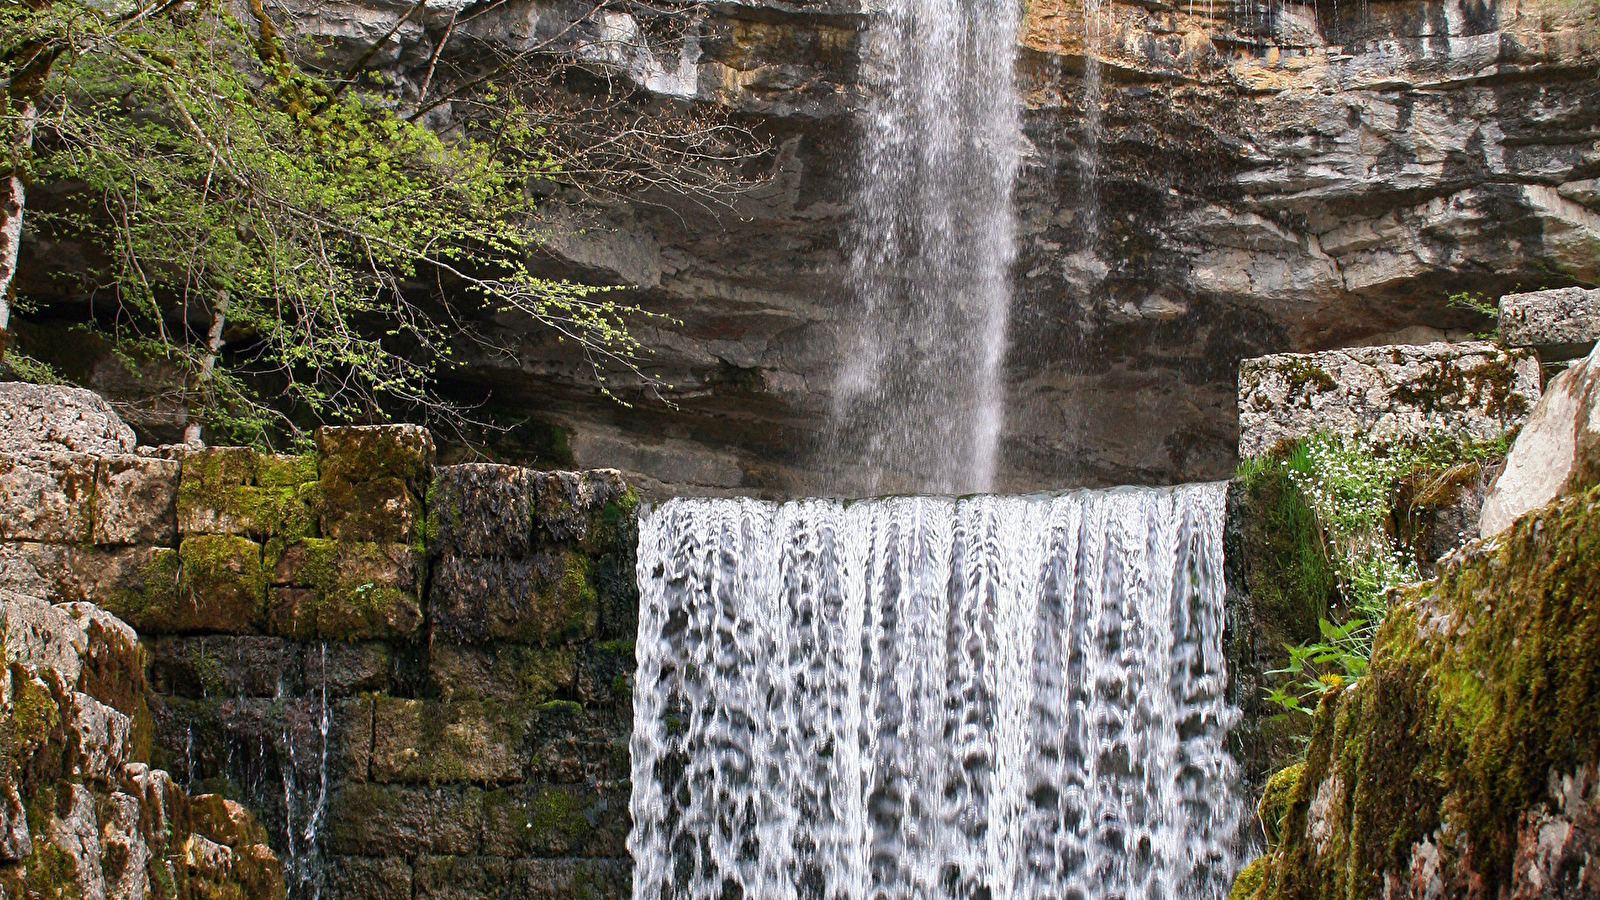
x=555 y=821
x=507 y=673
x=1557 y=452
x=480 y=509
x=346 y=591
x=1560 y=324
x=368 y=878
x=463 y=877
x=223 y=665
x=1469 y=392
x=405 y=821
x=381 y=510
x=543 y=600
x=417 y=741
x=58 y=419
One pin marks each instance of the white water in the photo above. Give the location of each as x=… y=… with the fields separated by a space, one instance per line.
x=919 y=397
x=928 y=697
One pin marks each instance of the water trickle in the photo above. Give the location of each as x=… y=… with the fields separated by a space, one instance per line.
x=929 y=697
x=1093 y=119
x=918 y=402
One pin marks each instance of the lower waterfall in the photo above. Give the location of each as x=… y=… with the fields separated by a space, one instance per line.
x=990 y=697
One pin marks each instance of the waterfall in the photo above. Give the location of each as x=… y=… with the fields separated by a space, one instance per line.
x=919 y=399
x=926 y=697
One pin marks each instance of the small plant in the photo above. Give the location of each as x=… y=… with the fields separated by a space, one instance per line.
x=1483 y=306
x=1350 y=486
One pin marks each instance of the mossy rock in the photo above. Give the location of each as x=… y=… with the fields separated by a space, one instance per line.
x=346 y=591
x=1275 y=801
x=380 y=509
x=232 y=490
x=1250 y=879
x=1483 y=686
x=368 y=452
x=221 y=589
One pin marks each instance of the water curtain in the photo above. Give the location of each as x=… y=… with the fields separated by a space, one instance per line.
x=930 y=697
x=919 y=399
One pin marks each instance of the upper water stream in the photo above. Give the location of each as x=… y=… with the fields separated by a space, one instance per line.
x=919 y=398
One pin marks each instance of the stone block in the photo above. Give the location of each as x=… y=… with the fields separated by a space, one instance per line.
x=367 y=452
x=405 y=820
x=481 y=509
x=582 y=507
x=278 y=470
x=1469 y=392
x=604 y=673
x=223 y=665
x=568 y=744
x=1560 y=324
x=381 y=509
x=136 y=500
x=542 y=600
x=115 y=579
x=554 y=820
x=345 y=590
x=40 y=634
x=507 y=673
x=435 y=742
x=54 y=418
x=486 y=877
x=47 y=497
x=347 y=668
x=221 y=589
x=367 y=877
x=219 y=494
x=1557 y=452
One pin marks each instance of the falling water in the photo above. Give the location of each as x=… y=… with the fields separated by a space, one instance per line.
x=929 y=697
x=1089 y=161
x=919 y=402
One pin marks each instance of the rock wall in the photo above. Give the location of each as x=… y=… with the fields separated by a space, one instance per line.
x=1268 y=176
x=418 y=676
x=82 y=814
x=1464 y=764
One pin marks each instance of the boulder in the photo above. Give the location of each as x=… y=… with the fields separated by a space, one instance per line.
x=1558 y=451
x=1474 y=391
x=1560 y=324
x=54 y=418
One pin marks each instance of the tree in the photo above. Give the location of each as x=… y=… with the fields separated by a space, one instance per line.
x=267 y=224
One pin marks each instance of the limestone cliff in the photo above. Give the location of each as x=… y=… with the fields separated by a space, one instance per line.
x=1266 y=176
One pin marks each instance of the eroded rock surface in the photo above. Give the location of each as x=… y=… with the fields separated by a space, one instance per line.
x=1266 y=178
x=81 y=814
x=1561 y=324
x=1471 y=392
x=54 y=419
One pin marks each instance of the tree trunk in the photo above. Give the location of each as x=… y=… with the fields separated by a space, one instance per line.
x=13 y=200
x=208 y=366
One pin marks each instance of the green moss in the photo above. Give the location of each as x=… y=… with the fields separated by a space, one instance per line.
x=1302 y=373
x=1275 y=801
x=620 y=686
x=282 y=470
x=362 y=454
x=1482 y=685
x=561 y=707
x=356 y=592
x=1250 y=879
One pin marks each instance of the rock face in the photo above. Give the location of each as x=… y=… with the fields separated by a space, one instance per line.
x=80 y=815
x=1468 y=392
x=1464 y=764
x=431 y=664
x=47 y=418
x=1266 y=177
x=1558 y=451
x=1560 y=324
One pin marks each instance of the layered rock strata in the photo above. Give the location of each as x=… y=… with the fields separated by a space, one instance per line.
x=82 y=814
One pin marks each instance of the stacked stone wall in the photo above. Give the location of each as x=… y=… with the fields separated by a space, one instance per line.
x=418 y=676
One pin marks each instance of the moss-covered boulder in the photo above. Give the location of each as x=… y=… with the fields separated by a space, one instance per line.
x=1464 y=764
x=236 y=491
